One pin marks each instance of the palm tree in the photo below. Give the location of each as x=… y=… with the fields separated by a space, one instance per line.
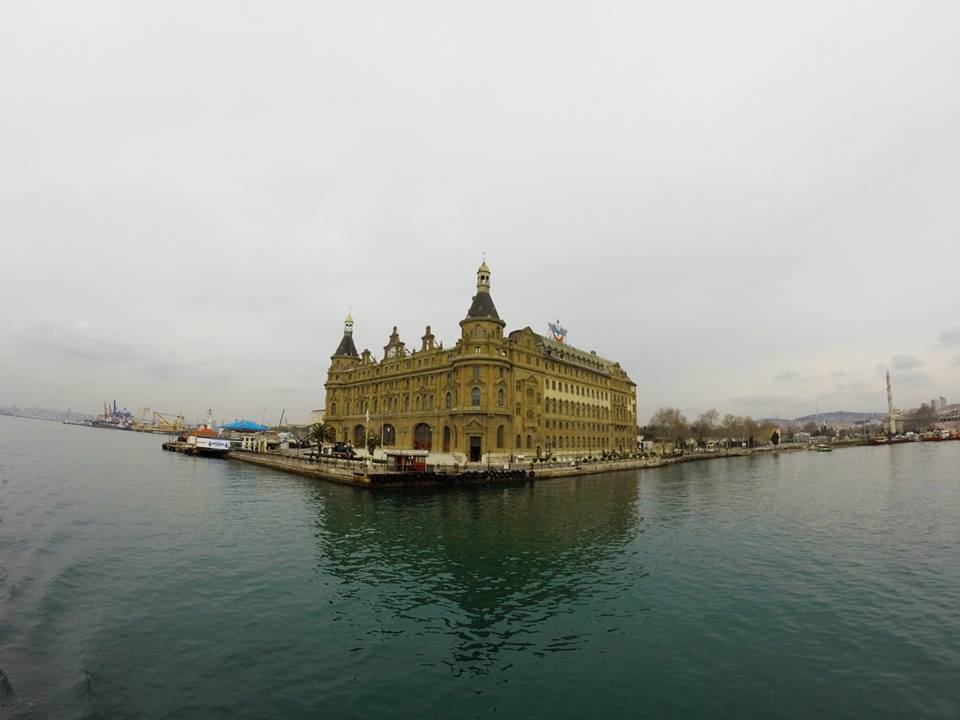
x=320 y=433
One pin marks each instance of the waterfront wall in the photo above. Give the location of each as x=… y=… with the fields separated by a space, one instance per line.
x=360 y=474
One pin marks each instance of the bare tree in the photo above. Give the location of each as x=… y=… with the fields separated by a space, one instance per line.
x=671 y=425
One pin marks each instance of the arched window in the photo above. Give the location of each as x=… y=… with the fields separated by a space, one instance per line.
x=422 y=437
x=475 y=397
x=446 y=438
x=359 y=436
x=406 y=403
x=529 y=393
x=389 y=435
x=449 y=401
x=518 y=443
x=529 y=441
x=333 y=409
x=500 y=436
x=346 y=410
x=500 y=397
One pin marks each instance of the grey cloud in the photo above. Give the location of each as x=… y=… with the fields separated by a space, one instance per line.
x=764 y=400
x=949 y=337
x=902 y=361
x=79 y=341
x=666 y=218
x=912 y=379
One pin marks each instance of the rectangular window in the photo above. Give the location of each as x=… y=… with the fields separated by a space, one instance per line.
x=476 y=371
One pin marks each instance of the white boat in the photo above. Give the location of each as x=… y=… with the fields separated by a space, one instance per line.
x=210 y=445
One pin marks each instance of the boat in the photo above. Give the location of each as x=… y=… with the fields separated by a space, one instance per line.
x=823 y=448
x=113 y=419
x=204 y=441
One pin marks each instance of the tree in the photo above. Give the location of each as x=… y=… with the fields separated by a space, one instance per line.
x=671 y=424
x=373 y=442
x=705 y=426
x=321 y=432
x=649 y=432
x=810 y=427
x=923 y=417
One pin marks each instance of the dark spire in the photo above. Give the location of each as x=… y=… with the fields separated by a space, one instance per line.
x=346 y=346
x=482 y=305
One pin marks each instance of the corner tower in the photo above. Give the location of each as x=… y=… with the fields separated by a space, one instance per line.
x=346 y=350
x=482 y=320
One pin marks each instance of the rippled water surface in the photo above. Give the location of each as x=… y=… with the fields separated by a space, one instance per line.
x=141 y=584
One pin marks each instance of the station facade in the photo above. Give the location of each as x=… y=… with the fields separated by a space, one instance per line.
x=492 y=397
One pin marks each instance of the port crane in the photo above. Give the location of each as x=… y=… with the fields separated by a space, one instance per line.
x=160 y=422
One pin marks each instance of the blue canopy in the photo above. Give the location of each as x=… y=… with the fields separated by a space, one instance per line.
x=244 y=426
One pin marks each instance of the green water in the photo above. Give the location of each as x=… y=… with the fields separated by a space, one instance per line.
x=141 y=584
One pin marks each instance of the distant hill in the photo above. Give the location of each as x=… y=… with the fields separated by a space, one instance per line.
x=839 y=416
x=43 y=413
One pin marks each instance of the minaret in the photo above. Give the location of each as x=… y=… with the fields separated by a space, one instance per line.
x=893 y=415
x=889 y=397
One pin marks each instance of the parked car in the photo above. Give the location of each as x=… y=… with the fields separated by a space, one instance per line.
x=342 y=450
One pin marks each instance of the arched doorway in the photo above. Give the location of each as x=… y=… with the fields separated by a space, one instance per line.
x=389 y=435
x=446 y=438
x=359 y=436
x=422 y=437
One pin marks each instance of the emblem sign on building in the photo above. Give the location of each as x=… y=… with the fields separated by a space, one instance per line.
x=557 y=332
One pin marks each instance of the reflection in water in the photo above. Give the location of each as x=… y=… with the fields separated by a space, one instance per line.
x=488 y=568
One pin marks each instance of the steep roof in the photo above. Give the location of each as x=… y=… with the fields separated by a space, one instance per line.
x=482 y=307
x=346 y=346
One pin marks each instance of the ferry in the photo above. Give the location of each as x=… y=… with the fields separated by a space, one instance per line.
x=205 y=441
x=201 y=441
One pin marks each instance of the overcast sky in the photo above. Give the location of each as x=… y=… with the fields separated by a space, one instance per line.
x=752 y=206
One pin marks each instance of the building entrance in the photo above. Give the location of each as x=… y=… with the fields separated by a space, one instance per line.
x=475 y=449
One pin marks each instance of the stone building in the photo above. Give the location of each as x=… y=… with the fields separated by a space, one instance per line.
x=490 y=398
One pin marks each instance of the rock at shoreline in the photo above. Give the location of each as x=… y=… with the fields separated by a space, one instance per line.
x=6 y=689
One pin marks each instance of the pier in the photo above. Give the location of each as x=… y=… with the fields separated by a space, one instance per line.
x=363 y=473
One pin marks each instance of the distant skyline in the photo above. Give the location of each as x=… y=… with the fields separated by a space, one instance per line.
x=750 y=207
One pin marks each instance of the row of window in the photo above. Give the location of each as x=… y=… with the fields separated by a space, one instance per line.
x=423 y=438
x=569 y=425
x=568 y=407
x=574 y=389
x=421 y=403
